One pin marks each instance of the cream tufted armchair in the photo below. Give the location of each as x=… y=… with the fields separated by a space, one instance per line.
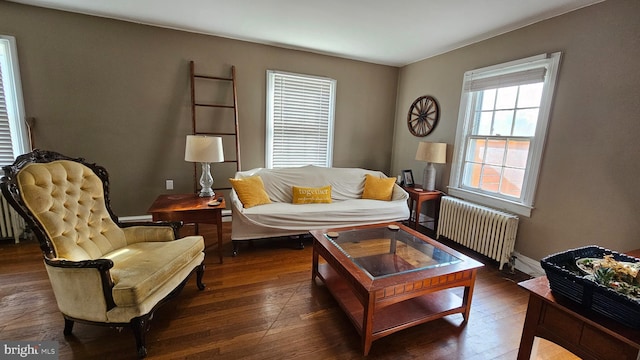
x=102 y=271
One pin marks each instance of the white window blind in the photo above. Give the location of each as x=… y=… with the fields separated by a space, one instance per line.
x=487 y=82
x=13 y=132
x=6 y=150
x=300 y=116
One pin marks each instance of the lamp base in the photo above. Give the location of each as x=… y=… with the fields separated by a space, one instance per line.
x=429 y=177
x=206 y=180
x=205 y=193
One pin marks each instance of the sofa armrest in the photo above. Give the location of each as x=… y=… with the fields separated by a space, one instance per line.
x=83 y=289
x=236 y=204
x=399 y=193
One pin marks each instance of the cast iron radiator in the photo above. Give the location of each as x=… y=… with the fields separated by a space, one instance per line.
x=488 y=231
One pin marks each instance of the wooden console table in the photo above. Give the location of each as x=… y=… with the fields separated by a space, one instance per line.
x=190 y=209
x=586 y=334
x=418 y=197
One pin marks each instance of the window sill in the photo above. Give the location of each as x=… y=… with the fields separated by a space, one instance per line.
x=493 y=202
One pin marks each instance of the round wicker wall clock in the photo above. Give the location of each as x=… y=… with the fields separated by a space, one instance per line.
x=423 y=116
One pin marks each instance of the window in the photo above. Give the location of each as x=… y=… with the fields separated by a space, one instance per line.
x=300 y=111
x=504 y=112
x=14 y=139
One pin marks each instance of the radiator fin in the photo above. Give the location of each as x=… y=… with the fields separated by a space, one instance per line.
x=488 y=231
x=12 y=225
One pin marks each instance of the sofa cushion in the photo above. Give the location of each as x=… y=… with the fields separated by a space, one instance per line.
x=376 y=188
x=251 y=191
x=311 y=195
x=141 y=268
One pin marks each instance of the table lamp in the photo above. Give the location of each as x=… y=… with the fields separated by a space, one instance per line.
x=205 y=150
x=432 y=153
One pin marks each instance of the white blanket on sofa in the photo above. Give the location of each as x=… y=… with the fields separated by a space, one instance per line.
x=282 y=217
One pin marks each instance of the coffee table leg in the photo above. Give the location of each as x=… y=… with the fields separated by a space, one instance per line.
x=466 y=299
x=367 y=324
x=314 y=267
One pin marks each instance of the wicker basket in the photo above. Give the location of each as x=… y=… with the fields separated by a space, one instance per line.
x=566 y=279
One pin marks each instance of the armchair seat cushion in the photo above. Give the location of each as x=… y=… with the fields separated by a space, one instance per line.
x=142 y=268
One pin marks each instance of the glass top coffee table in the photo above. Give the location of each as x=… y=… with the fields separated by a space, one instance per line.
x=388 y=277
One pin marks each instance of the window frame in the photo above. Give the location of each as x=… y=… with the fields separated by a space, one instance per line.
x=524 y=204
x=270 y=118
x=20 y=140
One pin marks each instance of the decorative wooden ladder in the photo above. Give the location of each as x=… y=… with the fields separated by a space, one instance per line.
x=198 y=80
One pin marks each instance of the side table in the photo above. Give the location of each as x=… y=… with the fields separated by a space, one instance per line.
x=419 y=196
x=586 y=334
x=190 y=209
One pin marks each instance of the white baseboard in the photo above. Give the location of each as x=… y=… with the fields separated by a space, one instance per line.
x=226 y=217
x=527 y=265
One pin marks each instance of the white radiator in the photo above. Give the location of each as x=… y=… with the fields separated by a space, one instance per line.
x=488 y=231
x=11 y=223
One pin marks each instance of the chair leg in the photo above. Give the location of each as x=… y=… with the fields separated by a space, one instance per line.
x=68 y=326
x=199 y=274
x=140 y=326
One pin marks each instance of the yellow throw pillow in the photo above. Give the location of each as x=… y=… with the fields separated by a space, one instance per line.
x=310 y=195
x=250 y=190
x=376 y=188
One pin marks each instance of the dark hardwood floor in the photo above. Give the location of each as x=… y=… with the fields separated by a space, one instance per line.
x=261 y=305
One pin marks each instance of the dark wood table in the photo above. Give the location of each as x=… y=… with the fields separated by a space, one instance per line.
x=418 y=196
x=382 y=305
x=586 y=334
x=190 y=209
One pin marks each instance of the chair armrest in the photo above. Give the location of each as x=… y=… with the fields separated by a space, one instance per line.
x=137 y=234
x=84 y=281
x=100 y=264
x=176 y=225
x=148 y=232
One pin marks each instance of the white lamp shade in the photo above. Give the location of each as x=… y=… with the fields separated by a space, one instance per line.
x=203 y=149
x=432 y=152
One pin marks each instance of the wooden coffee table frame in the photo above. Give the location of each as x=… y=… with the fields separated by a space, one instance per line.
x=383 y=306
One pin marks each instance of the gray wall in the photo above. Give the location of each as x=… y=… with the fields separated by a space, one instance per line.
x=117 y=93
x=587 y=191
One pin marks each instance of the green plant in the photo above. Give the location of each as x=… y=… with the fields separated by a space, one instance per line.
x=604 y=275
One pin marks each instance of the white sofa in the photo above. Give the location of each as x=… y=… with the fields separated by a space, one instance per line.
x=283 y=218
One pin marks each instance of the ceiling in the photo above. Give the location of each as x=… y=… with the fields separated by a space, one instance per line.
x=389 y=32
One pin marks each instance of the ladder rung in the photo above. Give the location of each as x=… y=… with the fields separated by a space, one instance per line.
x=214 y=105
x=212 y=77
x=216 y=133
